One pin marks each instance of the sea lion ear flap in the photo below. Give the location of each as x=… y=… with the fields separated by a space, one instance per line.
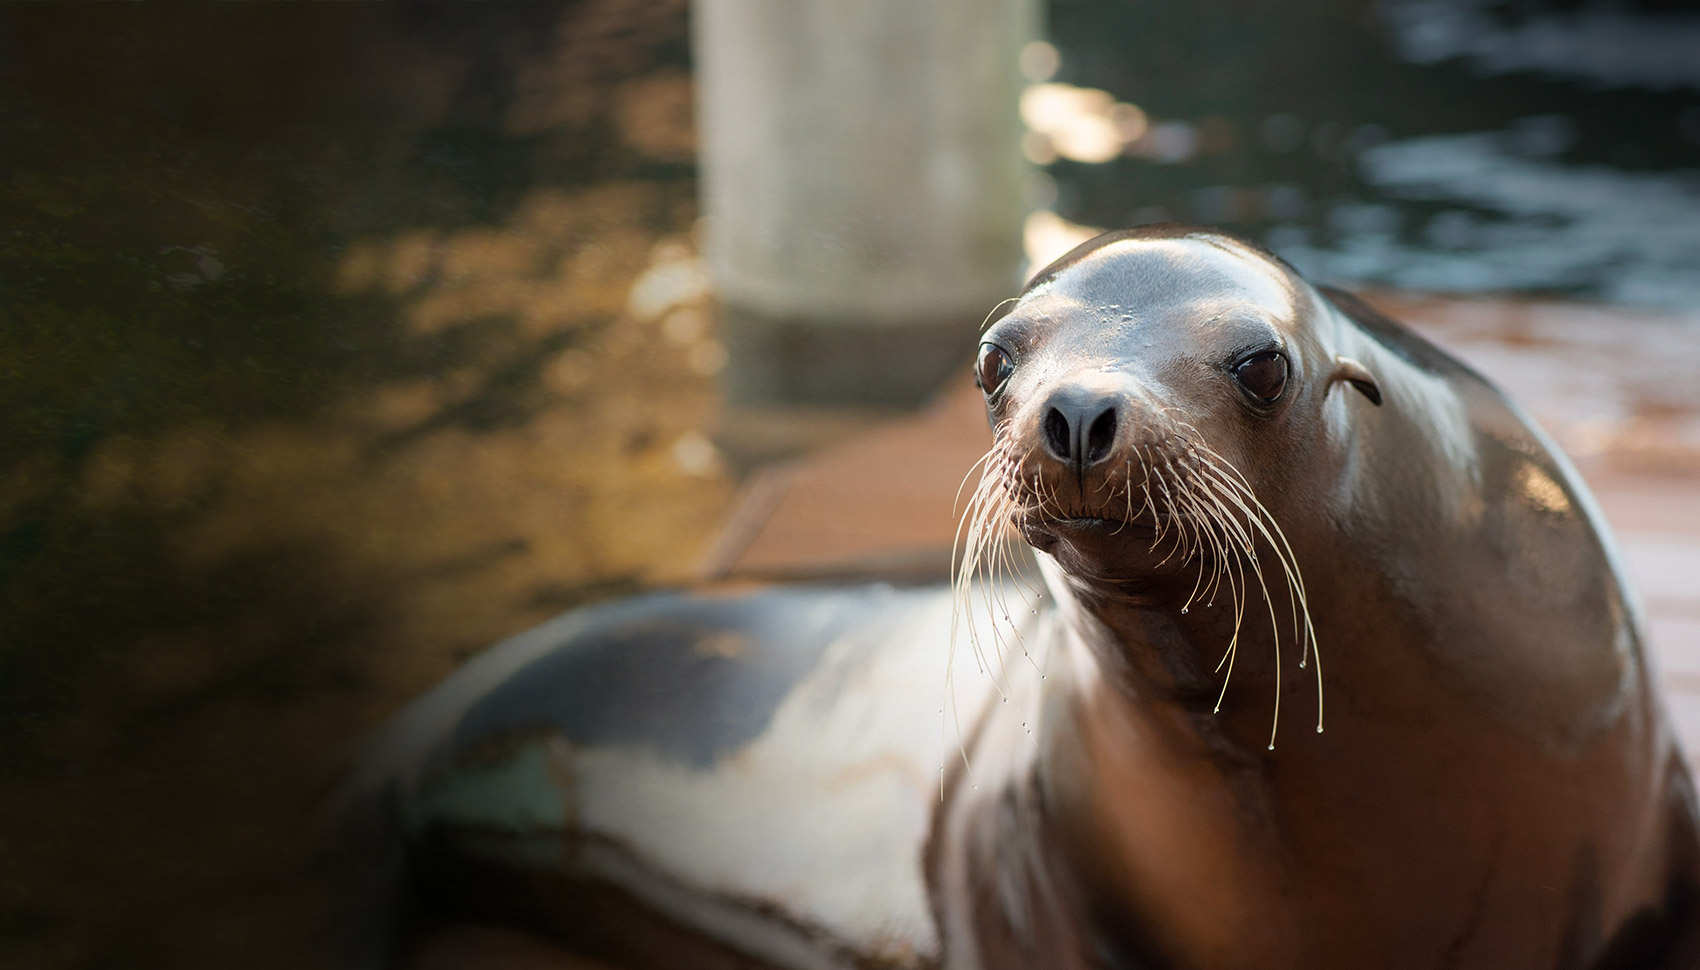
x=1347 y=369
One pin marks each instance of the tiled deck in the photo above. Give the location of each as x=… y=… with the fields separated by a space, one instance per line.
x=1619 y=391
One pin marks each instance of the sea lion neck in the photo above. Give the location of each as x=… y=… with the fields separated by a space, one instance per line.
x=1142 y=784
x=1160 y=662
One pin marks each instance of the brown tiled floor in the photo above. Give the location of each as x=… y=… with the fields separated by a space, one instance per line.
x=1620 y=391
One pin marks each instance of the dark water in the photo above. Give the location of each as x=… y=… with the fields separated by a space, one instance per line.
x=314 y=379
x=179 y=194
x=1453 y=145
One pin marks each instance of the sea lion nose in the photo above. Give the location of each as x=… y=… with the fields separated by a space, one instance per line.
x=1080 y=426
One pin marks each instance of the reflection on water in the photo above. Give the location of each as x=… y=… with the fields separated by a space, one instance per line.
x=1458 y=145
x=1507 y=217
x=1602 y=46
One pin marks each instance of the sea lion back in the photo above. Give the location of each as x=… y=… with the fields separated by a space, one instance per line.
x=759 y=769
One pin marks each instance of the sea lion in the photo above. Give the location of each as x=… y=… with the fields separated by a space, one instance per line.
x=1333 y=666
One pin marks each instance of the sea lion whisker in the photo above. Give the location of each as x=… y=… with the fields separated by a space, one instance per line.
x=1001 y=567
x=1192 y=507
x=1230 y=565
x=1002 y=563
x=1240 y=539
x=1188 y=526
x=1017 y=570
x=969 y=474
x=1150 y=503
x=983 y=539
x=985 y=501
x=1188 y=545
x=995 y=309
x=1230 y=476
x=1232 y=652
x=1237 y=592
x=1274 y=622
x=1237 y=481
x=985 y=505
x=1051 y=498
x=1209 y=509
x=1173 y=520
x=966 y=525
x=1127 y=516
x=996 y=564
x=1202 y=503
x=1161 y=496
x=1012 y=567
x=1266 y=525
x=1296 y=578
x=956 y=721
x=1213 y=512
x=1127 y=489
x=1220 y=579
x=988 y=562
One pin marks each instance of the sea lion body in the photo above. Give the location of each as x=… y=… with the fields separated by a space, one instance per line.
x=1244 y=493
x=754 y=771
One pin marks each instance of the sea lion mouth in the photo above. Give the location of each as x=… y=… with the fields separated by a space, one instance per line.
x=1098 y=537
x=1093 y=525
x=1089 y=522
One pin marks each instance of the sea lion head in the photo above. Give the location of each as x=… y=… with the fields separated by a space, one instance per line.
x=1159 y=397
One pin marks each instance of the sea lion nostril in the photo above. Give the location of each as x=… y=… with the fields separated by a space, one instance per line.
x=1100 y=436
x=1079 y=428
x=1059 y=437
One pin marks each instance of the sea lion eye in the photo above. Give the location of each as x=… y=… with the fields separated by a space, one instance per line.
x=993 y=368
x=1264 y=375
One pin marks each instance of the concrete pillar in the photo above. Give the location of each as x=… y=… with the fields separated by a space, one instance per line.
x=861 y=176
